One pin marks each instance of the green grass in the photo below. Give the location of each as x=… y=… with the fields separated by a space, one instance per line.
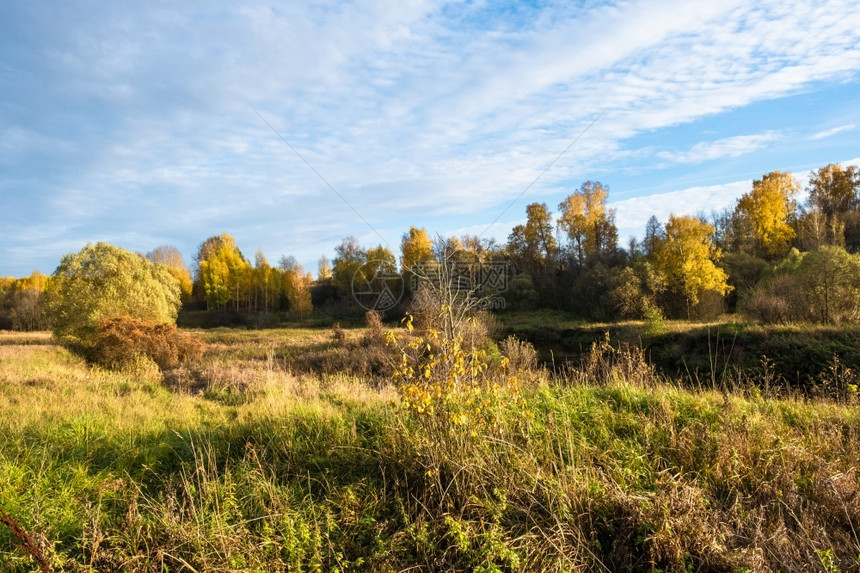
x=266 y=470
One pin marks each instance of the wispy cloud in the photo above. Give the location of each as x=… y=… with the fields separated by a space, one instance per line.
x=721 y=148
x=833 y=131
x=137 y=122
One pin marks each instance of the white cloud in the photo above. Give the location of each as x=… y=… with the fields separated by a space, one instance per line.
x=721 y=148
x=632 y=214
x=833 y=131
x=144 y=117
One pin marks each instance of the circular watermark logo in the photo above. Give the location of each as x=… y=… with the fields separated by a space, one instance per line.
x=376 y=285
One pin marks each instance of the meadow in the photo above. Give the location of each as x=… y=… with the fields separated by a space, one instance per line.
x=292 y=450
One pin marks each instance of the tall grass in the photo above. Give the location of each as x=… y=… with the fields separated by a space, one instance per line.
x=246 y=465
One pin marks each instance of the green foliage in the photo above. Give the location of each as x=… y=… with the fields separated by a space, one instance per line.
x=349 y=258
x=819 y=286
x=615 y=471
x=102 y=282
x=634 y=289
x=655 y=323
x=521 y=293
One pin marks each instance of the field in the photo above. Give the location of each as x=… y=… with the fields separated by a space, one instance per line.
x=290 y=450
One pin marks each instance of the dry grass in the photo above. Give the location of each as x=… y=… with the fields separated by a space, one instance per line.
x=247 y=464
x=13 y=337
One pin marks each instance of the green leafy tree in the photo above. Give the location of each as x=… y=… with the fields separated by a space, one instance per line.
x=106 y=282
x=349 y=257
x=830 y=280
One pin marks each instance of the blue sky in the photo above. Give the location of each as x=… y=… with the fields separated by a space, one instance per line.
x=136 y=123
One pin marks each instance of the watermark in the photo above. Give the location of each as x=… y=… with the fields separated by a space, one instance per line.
x=469 y=276
x=376 y=285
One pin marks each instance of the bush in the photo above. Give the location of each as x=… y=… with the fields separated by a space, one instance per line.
x=521 y=354
x=103 y=282
x=121 y=341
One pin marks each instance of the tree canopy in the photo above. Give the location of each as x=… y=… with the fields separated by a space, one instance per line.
x=102 y=282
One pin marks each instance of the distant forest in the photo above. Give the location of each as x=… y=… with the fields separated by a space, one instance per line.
x=770 y=258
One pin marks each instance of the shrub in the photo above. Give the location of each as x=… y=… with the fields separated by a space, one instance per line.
x=374 y=334
x=120 y=341
x=521 y=354
x=448 y=383
x=103 y=282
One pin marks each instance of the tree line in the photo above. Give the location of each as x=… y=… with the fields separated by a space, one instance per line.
x=770 y=256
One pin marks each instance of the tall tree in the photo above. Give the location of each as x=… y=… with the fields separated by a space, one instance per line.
x=589 y=225
x=223 y=273
x=415 y=247
x=533 y=245
x=768 y=210
x=833 y=199
x=170 y=256
x=653 y=235
x=686 y=257
x=833 y=189
x=323 y=269
x=349 y=257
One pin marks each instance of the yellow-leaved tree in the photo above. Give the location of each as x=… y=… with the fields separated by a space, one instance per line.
x=533 y=245
x=589 y=225
x=686 y=258
x=223 y=274
x=416 y=247
x=766 y=212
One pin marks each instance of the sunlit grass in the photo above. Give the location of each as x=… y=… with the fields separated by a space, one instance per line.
x=262 y=468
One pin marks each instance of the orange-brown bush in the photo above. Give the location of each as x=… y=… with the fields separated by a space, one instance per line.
x=121 y=340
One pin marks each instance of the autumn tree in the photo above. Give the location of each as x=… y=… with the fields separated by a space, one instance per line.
x=415 y=247
x=349 y=257
x=21 y=301
x=323 y=269
x=833 y=197
x=532 y=246
x=264 y=284
x=767 y=211
x=589 y=225
x=102 y=282
x=833 y=189
x=686 y=258
x=295 y=291
x=223 y=274
x=170 y=256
